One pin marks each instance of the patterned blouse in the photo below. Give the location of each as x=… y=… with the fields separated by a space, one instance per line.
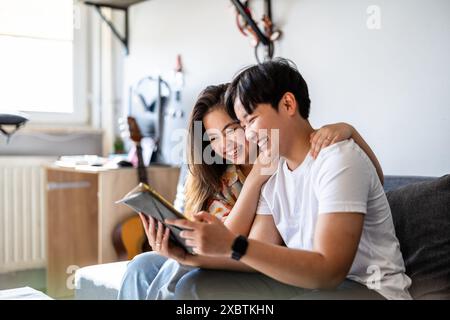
x=222 y=202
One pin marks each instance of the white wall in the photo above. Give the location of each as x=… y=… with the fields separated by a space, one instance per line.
x=392 y=84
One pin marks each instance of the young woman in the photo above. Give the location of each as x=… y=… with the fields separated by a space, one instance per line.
x=228 y=188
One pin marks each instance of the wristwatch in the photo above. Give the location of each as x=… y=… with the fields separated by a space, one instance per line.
x=239 y=247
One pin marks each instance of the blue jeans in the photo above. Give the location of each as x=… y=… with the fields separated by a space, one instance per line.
x=151 y=276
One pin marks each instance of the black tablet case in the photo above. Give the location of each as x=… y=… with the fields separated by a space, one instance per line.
x=146 y=200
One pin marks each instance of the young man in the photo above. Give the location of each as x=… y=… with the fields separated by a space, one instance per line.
x=331 y=213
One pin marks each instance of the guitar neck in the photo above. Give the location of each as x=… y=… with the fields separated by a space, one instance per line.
x=142 y=172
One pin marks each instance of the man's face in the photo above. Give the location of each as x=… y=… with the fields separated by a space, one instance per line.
x=261 y=127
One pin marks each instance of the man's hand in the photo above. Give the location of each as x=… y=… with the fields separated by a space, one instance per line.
x=158 y=238
x=207 y=235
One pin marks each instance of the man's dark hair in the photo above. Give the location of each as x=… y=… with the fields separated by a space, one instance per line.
x=267 y=83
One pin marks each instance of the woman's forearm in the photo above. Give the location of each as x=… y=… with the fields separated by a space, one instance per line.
x=241 y=217
x=366 y=148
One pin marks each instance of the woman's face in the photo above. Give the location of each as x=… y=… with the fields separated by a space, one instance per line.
x=226 y=136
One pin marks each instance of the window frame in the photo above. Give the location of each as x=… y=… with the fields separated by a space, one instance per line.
x=81 y=45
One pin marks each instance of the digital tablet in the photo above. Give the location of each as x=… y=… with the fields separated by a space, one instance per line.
x=145 y=199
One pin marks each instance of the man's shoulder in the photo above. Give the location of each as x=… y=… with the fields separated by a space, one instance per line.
x=336 y=149
x=343 y=160
x=345 y=152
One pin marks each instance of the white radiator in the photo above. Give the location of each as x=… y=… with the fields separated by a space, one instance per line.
x=22 y=213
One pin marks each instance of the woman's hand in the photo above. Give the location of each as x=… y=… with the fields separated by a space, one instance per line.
x=207 y=235
x=264 y=167
x=328 y=135
x=158 y=238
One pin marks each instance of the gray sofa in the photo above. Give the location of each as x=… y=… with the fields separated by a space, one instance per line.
x=421 y=212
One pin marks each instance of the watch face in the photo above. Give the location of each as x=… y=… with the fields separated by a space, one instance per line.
x=235 y=255
x=239 y=247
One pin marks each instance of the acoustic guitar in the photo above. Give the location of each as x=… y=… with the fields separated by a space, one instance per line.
x=129 y=238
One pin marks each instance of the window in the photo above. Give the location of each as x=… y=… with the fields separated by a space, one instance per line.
x=39 y=72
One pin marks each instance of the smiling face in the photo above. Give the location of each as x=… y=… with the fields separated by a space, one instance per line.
x=226 y=136
x=268 y=96
x=268 y=127
x=262 y=126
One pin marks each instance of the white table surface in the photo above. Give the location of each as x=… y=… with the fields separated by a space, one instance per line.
x=24 y=293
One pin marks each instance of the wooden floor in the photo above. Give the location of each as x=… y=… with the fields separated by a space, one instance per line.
x=35 y=279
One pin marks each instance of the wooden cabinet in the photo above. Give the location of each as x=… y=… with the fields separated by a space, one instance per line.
x=82 y=214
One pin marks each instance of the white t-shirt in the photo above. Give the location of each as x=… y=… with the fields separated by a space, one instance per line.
x=341 y=179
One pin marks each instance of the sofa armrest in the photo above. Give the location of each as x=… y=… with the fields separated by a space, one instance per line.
x=99 y=282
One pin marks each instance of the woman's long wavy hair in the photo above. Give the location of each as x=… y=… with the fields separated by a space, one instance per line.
x=203 y=180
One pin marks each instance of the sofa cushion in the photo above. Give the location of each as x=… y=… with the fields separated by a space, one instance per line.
x=99 y=282
x=421 y=214
x=395 y=182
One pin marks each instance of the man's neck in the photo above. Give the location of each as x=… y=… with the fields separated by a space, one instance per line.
x=299 y=146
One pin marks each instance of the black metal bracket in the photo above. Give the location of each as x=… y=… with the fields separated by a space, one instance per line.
x=123 y=39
